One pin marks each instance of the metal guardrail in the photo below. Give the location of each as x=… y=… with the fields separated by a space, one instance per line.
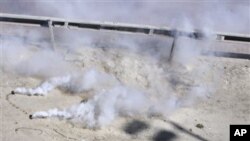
x=122 y=27
x=52 y=22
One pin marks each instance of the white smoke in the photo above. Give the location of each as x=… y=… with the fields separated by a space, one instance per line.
x=102 y=109
x=74 y=83
x=109 y=99
x=44 y=88
x=125 y=75
x=117 y=82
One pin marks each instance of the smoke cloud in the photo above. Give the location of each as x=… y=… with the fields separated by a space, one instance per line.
x=118 y=75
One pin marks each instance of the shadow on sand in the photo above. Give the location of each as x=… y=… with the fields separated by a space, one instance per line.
x=164 y=135
x=135 y=127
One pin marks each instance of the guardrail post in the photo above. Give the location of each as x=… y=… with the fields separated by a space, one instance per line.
x=171 y=55
x=52 y=38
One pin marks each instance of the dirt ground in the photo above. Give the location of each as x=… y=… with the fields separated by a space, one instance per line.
x=208 y=119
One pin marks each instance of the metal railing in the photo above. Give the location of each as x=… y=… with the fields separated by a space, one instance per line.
x=122 y=27
x=52 y=22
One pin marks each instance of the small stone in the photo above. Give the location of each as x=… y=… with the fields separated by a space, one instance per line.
x=12 y=92
x=30 y=117
x=199 y=125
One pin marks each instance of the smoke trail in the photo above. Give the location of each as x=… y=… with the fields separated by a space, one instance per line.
x=126 y=79
x=75 y=83
x=44 y=88
x=103 y=108
x=110 y=99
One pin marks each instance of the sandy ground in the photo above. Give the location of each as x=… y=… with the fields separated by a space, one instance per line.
x=229 y=104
